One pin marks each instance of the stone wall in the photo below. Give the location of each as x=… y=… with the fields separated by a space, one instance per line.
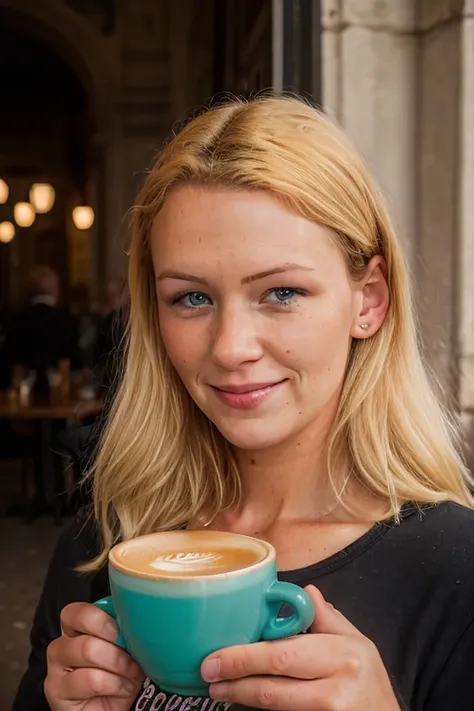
x=399 y=76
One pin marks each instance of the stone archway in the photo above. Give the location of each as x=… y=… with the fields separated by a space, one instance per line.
x=73 y=38
x=94 y=59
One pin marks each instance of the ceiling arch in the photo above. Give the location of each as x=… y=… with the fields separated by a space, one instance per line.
x=71 y=36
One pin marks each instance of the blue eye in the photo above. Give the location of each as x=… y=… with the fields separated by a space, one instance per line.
x=282 y=295
x=192 y=299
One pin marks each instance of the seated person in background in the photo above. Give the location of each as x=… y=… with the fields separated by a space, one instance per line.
x=87 y=321
x=42 y=333
x=109 y=344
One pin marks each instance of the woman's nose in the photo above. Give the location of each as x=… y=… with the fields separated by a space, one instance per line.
x=236 y=340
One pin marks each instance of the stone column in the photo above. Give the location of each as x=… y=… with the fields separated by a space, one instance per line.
x=181 y=15
x=465 y=255
x=296 y=47
x=397 y=74
x=165 y=59
x=439 y=187
x=369 y=65
x=140 y=118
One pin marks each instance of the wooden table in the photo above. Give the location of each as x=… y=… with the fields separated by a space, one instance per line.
x=43 y=408
x=46 y=413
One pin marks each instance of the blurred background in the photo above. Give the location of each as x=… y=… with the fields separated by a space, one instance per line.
x=90 y=89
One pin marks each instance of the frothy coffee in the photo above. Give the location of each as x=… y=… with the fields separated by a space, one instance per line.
x=183 y=554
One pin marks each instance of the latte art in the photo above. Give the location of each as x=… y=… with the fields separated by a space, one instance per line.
x=187 y=554
x=174 y=561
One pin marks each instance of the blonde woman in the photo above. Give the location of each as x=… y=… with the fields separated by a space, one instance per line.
x=273 y=386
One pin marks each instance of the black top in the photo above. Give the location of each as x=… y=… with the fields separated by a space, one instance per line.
x=409 y=587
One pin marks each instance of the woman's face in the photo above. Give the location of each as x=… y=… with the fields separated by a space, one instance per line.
x=257 y=311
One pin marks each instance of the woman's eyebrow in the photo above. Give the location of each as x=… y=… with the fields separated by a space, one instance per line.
x=171 y=274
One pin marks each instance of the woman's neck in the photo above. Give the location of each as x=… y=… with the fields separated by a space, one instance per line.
x=287 y=496
x=288 y=482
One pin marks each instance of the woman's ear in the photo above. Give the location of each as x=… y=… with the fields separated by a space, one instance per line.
x=374 y=301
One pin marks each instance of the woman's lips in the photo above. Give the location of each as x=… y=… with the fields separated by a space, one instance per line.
x=246 y=397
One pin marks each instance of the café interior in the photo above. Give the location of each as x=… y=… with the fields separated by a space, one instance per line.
x=90 y=90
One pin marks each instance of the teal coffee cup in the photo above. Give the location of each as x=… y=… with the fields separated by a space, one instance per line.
x=179 y=596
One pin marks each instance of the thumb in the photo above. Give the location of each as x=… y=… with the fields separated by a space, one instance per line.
x=327 y=619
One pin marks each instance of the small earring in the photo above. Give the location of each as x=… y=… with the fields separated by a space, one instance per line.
x=364 y=325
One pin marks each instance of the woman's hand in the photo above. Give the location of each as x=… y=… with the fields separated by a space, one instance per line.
x=337 y=669
x=86 y=670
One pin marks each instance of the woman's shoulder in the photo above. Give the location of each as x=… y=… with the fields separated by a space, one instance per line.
x=438 y=539
x=76 y=442
x=446 y=521
x=79 y=541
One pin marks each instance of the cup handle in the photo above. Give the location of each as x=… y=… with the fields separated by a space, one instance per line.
x=279 y=627
x=107 y=605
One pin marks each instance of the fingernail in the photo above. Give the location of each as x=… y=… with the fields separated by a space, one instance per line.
x=210 y=669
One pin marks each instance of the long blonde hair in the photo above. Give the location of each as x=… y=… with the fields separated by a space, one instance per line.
x=161 y=462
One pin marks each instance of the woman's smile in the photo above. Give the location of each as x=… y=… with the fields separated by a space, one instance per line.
x=247 y=397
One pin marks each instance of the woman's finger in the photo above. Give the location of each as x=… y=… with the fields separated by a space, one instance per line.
x=82 y=618
x=83 y=684
x=281 y=694
x=307 y=656
x=90 y=652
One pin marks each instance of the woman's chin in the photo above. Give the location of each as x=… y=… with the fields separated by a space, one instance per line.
x=252 y=434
